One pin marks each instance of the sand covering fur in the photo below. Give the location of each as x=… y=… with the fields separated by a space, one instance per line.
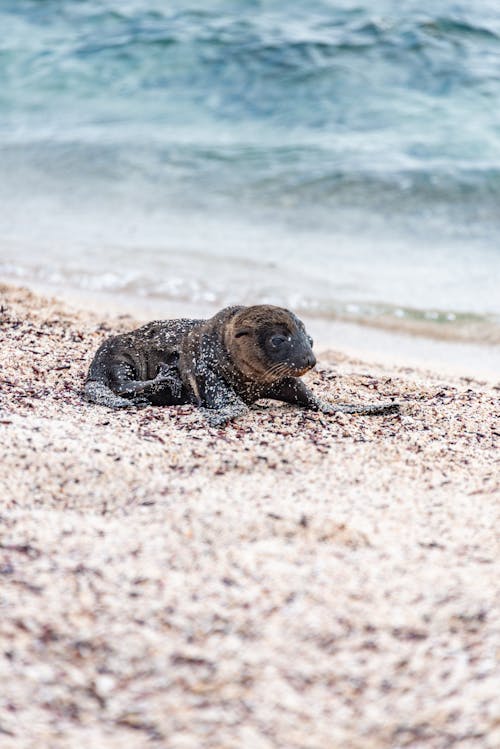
x=294 y=581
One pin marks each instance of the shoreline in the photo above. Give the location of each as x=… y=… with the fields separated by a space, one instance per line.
x=292 y=580
x=364 y=341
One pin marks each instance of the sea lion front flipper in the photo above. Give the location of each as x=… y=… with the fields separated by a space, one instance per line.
x=366 y=409
x=220 y=403
x=218 y=417
x=293 y=390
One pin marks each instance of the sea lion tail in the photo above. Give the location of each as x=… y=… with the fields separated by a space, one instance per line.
x=98 y=392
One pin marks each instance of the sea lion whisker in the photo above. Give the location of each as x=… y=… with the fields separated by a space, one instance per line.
x=279 y=370
x=268 y=375
x=274 y=368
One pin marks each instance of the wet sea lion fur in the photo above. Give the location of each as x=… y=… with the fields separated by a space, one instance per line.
x=222 y=365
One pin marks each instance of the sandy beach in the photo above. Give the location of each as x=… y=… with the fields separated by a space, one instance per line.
x=293 y=581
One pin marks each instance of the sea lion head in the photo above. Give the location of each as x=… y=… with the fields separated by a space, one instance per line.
x=268 y=343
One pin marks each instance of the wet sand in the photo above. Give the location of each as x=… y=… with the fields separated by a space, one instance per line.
x=292 y=582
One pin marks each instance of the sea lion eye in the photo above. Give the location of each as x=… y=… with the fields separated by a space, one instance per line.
x=277 y=340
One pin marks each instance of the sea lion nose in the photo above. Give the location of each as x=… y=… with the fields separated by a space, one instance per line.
x=311 y=360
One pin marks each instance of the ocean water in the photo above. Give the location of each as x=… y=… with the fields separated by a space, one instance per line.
x=341 y=158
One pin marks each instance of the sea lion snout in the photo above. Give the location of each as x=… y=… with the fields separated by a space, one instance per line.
x=298 y=350
x=310 y=360
x=302 y=363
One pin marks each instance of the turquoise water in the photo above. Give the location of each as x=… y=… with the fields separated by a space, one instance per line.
x=339 y=157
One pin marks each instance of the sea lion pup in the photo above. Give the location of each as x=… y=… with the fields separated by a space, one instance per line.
x=222 y=365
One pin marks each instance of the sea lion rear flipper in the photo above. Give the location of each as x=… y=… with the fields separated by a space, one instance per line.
x=99 y=393
x=166 y=384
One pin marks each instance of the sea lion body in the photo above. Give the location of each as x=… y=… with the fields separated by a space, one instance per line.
x=222 y=365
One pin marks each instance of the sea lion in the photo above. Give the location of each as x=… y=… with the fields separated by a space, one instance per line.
x=222 y=365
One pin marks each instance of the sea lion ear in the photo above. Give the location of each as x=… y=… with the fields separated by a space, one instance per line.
x=242 y=332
